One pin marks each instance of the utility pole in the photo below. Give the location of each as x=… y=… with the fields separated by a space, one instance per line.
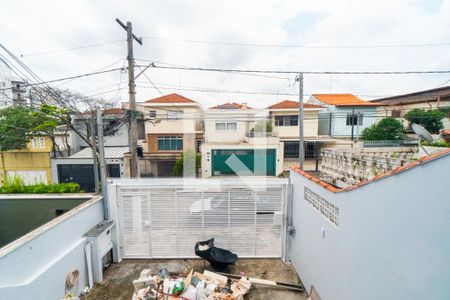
x=301 y=151
x=94 y=153
x=134 y=173
x=358 y=115
x=352 y=120
x=101 y=154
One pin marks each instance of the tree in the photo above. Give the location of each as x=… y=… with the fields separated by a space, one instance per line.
x=387 y=129
x=431 y=120
x=18 y=124
x=178 y=168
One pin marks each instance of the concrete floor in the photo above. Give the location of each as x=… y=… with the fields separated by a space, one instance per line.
x=118 y=277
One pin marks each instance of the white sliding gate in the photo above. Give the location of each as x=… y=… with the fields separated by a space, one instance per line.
x=164 y=218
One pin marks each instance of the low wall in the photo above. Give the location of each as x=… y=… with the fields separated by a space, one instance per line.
x=36 y=265
x=390 y=239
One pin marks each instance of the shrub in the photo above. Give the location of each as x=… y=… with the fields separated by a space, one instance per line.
x=429 y=119
x=179 y=164
x=16 y=185
x=443 y=144
x=388 y=129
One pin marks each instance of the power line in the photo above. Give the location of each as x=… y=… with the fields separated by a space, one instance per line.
x=70 y=49
x=67 y=78
x=444 y=44
x=304 y=72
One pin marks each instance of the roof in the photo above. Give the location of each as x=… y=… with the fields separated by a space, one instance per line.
x=286 y=104
x=416 y=97
x=445 y=131
x=232 y=105
x=342 y=100
x=110 y=152
x=395 y=171
x=171 y=98
x=109 y=111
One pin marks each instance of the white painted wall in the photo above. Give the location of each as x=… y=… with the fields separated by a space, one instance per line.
x=35 y=266
x=189 y=123
x=392 y=242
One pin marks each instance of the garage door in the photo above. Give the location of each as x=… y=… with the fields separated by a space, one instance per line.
x=261 y=162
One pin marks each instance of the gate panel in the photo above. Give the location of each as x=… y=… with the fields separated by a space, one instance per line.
x=165 y=218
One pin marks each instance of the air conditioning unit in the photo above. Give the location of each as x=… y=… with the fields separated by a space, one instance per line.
x=100 y=240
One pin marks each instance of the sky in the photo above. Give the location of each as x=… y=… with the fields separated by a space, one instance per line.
x=39 y=31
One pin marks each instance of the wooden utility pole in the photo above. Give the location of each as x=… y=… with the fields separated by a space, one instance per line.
x=301 y=152
x=132 y=98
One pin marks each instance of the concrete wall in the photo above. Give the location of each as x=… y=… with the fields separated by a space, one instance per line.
x=20 y=214
x=392 y=241
x=27 y=164
x=35 y=266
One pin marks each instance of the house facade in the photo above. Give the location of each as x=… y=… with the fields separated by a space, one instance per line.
x=345 y=116
x=239 y=142
x=32 y=163
x=284 y=120
x=398 y=106
x=173 y=126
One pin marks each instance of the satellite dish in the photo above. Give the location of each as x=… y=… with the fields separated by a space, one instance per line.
x=422 y=133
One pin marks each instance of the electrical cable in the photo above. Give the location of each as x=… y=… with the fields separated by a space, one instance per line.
x=70 y=49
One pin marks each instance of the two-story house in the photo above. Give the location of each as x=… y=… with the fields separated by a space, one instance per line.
x=239 y=141
x=173 y=126
x=345 y=116
x=284 y=118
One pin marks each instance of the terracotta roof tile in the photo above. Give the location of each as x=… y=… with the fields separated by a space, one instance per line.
x=292 y=104
x=232 y=105
x=376 y=178
x=171 y=98
x=343 y=100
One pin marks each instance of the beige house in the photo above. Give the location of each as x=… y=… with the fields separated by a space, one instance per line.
x=398 y=106
x=234 y=146
x=284 y=119
x=173 y=125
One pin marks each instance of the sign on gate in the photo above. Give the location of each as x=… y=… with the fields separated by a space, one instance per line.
x=164 y=218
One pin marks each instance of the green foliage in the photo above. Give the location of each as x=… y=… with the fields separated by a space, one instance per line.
x=429 y=119
x=178 y=167
x=15 y=185
x=388 y=129
x=261 y=126
x=18 y=124
x=443 y=144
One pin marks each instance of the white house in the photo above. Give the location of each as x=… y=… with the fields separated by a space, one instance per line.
x=382 y=238
x=234 y=146
x=346 y=115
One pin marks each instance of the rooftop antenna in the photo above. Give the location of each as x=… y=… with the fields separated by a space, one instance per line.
x=422 y=134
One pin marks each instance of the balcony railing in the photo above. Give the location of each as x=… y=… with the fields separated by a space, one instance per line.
x=344 y=168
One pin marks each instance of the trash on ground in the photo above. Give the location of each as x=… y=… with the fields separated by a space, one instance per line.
x=219 y=258
x=164 y=285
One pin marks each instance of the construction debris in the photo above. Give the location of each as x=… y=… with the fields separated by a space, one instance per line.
x=163 y=285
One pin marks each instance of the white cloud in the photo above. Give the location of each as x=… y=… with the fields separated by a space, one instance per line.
x=34 y=27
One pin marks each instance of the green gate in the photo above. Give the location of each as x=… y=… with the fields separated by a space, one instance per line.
x=251 y=162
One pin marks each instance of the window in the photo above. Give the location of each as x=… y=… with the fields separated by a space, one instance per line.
x=352 y=119
x=170 y=143
x=113 y=170
x=395 y=113
x=226 y=126
x=175 y=114
x=286 y=120
x=60 y=212
x=312 y=149
x=38 y=143
x=198 y=144
x=152 y=114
